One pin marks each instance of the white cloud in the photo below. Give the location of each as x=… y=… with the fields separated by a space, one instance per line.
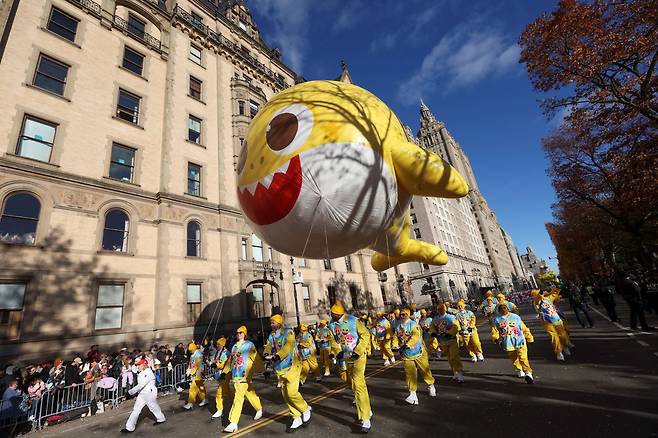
x=410 y=29
x=349 y=15
x=290 y=27
x=459 y=59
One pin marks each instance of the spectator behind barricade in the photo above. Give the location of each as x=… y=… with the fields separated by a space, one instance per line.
x=163 y=357
x=11 y=401
x=5 y=378
x=127 y=376
x=56 y=375
x=179 y=356
x=36 y=387
x=93 y=355
x=72 y=375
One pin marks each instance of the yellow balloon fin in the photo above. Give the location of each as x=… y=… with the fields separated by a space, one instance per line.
x=423 y=173
x=407 y=249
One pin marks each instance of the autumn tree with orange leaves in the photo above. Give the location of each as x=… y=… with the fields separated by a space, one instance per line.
x=597 y=63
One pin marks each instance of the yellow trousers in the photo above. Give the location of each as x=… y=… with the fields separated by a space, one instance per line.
x=290 y=391
x=432 y=345
x=451 y=351
x=311 y=363
x=558 y=335
x=325 y=360
x=472 y=343
x=243 y=390
x=394 y=343
x=223 y=394
x=356 y=376
x=413 y=367
x=385 y=347
x=197 y=388
x=520 y=359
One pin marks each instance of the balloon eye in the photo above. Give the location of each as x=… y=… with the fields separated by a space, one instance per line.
x=281 y=131
x=242 y=160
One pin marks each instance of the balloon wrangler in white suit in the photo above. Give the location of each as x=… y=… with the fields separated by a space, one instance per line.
x=148 y=396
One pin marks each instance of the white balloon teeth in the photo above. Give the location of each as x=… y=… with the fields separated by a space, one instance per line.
x=266 y=181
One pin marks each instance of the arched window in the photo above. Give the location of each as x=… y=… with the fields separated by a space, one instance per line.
x=20 y=218
x=115 y=232
x=193 y=239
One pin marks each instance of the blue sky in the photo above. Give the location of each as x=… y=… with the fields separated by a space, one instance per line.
x=461 y=57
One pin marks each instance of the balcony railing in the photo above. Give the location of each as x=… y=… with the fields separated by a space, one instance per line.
x=144 y=37
x=89 y=6
x=231 y=46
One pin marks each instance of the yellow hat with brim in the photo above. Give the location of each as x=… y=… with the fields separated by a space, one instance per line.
x=303 y=327
x=337 y=308
x=221 y=341
x=242 y=329
x=277 y=318
x=324 y=322
x=191 y=346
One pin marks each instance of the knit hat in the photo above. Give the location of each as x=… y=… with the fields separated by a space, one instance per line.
x=242 y=329
x=221 y=341
x=277 y=318
x=337 y=308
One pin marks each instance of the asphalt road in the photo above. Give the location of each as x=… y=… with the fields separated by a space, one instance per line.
x=608 y=387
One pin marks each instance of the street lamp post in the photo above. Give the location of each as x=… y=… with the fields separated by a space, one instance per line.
x=294 y=287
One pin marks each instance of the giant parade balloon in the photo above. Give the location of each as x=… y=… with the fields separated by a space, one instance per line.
x=327 y=170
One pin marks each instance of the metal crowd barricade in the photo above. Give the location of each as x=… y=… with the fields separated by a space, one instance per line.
x=61 y=400
x=167 y=379
x=11 y=416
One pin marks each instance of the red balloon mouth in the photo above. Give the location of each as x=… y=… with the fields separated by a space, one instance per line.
x=267 y=205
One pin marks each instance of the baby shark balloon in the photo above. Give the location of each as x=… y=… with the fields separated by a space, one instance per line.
x=327 y=170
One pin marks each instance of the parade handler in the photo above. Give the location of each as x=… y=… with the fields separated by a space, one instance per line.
x=414 y=356
x=281 y=350
x=243 y=358
x=148 y=396
x=350 y=343
x=513 y=335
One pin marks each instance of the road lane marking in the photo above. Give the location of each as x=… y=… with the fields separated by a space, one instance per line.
x=642 y=343
x=284 y=413
x=621 y=326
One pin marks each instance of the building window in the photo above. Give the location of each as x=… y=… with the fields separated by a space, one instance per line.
x=301 y=262
x=193 y=239
x=256 y=248
x=382 y=287
x=12 y=296
x=354 y=295
x=331 y=294
x=327 y=264
x=257 y=292
x=136 y=26
x=62 y=24
x=253 y=108
x=20 y=218
x=195 y=88
x=50 y=75
x=109 y=308
x=195 y=54
x=133 y=61
x=193 y=179
x=241 y=107
x=306 y=295
x=270 y=254
x=257 y=308
x=417 y=233
x=411 y=205
x=426 y=267
x=122 y=163
x=242 y=25
x=194 y=129
x=36 y=140
x=244 y=249
x=196 y=18
x=348 y=263
x=115 y=232
x=193 y=302
x=414 y=220
x=128 y=107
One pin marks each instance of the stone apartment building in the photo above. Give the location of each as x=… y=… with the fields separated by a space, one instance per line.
x=119 y=219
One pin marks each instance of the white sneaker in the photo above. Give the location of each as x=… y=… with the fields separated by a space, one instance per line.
x=365 y=426
x=528 y=378
x=187 y=406
x=259 y=414
x=217 y=414
x=432 y=391
x=480 y=356
x=327 y=373
x=567 y=352
x=459 y=377
x=179 y=389
x=296 y=422
x=387 y=363
x=520 y=374
x=560 y=356
x=412 y=399
x=279 y=384
x=474 y=359
x=392 y=360
x=231 y=428
x=203 y=403
x=306 y=415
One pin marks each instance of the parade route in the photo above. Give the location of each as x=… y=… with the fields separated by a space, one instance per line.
x=606 y=388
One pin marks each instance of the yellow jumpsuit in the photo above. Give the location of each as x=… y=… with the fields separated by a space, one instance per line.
x=355 y=371
x=243 y=359
x=469 y=338
x=322 y=338
x=288 y=368
x=223 y=388
x=514 y=344
x=385 y=336
x=306 y=347
x=553 y=324
x=197 y=386
x=431 y=343
x=414 y=355
x=446 y=327
x=394 y=339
